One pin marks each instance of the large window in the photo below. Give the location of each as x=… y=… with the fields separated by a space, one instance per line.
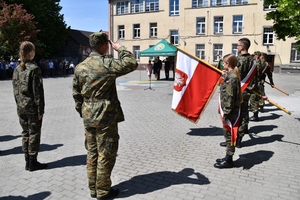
x=137 y=6
x=218 y=25
x=174 y=37
x=121 y=32
x=268 y=37
x=200 y=51
x=136 y=52
x=136 y=31
x=237 y=26
x=218 y=2
x=200 y=25
x=218 y=51
x=238 y=2
x=152 y=5
x=199 y=3
x=234 y=50
x=153 y=29
x=295 y=54
x=122 y=8
x=174 y=7
x=269 y=7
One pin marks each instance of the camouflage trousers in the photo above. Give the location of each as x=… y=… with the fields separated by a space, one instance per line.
x=102 y=146
x=243 y=128
x=230 y=148
x=256 y=101
x=31 y=134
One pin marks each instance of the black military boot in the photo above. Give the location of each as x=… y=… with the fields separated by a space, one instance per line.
x=254 y=117
x=223 y=144
x=34 y=164
x=225 y=162
x=261 y=109
x=27 y=162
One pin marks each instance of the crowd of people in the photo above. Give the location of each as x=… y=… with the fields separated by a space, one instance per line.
x=49 y=68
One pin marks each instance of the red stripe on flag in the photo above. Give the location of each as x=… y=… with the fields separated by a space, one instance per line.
x=198 y=92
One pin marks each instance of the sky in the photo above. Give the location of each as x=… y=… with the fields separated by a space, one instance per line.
x=85 y=15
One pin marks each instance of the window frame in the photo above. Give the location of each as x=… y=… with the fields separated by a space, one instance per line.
x=153 y=30
x=174 y=7
x=136 y=31
x=293 y=58
x=218 y=25
x=174 y=37
x=200 y=52
x=200 y=25
x=239 y=23
x=217 y=52
x=124 y=5
x=267 y=36
x=121 y=31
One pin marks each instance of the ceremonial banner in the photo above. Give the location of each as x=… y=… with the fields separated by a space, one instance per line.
x=247 y=80
x=194 y=84
x=232 y=128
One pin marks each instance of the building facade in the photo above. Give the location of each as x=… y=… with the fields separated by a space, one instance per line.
x=205 y=28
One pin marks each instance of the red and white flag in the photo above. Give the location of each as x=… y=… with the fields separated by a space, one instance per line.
x=247 y=80
x=194 y=85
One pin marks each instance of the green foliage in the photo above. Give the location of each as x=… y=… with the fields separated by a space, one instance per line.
x=53 y=30
x=286 y=18
x=16 y=25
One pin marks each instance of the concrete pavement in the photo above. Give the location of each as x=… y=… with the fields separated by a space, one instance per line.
x=162 y=156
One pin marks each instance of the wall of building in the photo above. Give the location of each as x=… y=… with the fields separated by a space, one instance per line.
x=253 y=24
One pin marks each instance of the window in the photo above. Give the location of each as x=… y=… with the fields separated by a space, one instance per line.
x=218 y=2
x=237 y=26
x=200 y=51
x=121 y=31
x=238 y=2
x=199 y=3
x=122 y=8
x=218 y=51
x=153 y=29
x=218 y=25
x=152 y=5
x=136 y=31
x=137 y=6
x=174 y=7
x=200 y=25
x=174 y=37
x=136 y=52
x=295 y=54
x=268 y=36
x=234 y=50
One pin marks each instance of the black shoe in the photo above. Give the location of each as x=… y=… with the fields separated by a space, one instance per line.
x=220 y=160
x=254 y=117
x=226 y=163
x=35 y=165
x=112 y=193
x=223 y=144
x=93 y=195
x=261 y=109
x=26 y=162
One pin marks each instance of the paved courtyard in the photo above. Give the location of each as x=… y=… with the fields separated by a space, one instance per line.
x=162 y=156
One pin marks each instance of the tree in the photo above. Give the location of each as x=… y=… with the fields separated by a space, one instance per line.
x=53 y=30
x=286 y=18
x=16 y=25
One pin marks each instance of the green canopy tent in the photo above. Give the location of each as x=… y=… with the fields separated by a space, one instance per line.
x=163 y=48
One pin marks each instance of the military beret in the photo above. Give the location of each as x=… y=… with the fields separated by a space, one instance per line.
x=98 y=38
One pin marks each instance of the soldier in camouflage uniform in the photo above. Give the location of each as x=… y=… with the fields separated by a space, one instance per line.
x=245 y=63
x=231 y=98
x=257 y=103
x=29 y=96
x=96 y=100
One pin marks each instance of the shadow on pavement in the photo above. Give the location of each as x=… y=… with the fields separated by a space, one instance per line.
x=263 y=128
x=217 y=131
x=18 y=150
x=271 y=117
x=146 y=183
x=247 y=161
x=40 y=196
x=66 y=162
x=5 y=138
x=262 y=140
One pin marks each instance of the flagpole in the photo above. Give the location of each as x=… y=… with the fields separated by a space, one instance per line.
x=277 y=88
x=198 y=59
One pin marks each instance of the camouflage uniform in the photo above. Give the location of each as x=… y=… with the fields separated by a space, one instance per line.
x=29 y=97
x=96 y=100
x=245 y=62
x=230 y=103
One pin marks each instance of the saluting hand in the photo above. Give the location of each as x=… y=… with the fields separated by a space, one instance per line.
x=115 y=46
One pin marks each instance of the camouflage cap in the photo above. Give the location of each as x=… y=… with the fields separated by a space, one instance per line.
x=263 y=54
x=258 y=53
x=98 y=38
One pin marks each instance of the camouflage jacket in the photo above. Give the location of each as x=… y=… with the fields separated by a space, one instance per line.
x=94 y=87
x=230 y=95
x=245 y=62
x=263 y=71
x=28 y=89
